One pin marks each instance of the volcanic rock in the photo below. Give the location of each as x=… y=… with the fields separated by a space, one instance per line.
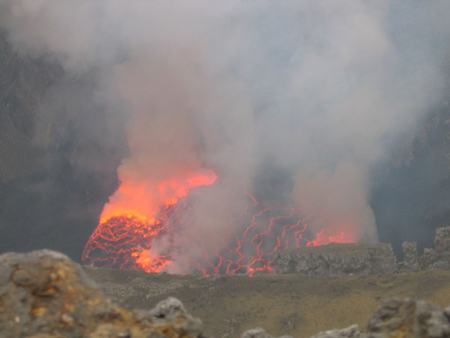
x=409 y=318
x=442 y=240
x=363 y=258
x=349 y=332
x=439 y=258
x=410 y=258
x=44 y=294
x=259 y=333
x=428 y=259
x=337 y=259
x=442 y=250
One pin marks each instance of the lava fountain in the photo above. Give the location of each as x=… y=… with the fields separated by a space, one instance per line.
x=130 y=232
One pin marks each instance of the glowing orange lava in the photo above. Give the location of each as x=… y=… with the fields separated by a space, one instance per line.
x=130 y=221
x=135 y=199
x=130 y=228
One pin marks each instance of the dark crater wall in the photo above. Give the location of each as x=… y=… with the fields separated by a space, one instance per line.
x=411 y=192
x=59 y=151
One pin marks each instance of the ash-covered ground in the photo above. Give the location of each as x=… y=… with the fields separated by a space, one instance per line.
x=45 y=293
x=317 y=288
x=283 y=304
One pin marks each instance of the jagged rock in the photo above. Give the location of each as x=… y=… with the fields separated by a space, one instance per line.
x=442 y=248
x=408 y=318
x=259 y=333
x=428 y=259
x=44 y=294
x=362 y=258
x=337 y=259
x=349 y=332
x=442 y=241
x=440 y=257
x=410 y=258
x=168 y=308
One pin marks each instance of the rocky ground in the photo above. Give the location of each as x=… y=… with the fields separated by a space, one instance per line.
x=295 y=305
x=45 y=295
x=316 y=288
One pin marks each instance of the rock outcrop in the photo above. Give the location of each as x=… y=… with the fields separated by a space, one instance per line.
x=439 y=258
x=44 y=294
x=410 y=258
x=337 y=259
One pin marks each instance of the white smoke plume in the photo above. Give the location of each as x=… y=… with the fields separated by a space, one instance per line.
x=315 y=88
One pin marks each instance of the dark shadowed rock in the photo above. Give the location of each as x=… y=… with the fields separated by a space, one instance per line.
x=44 y=294
x=337 y=259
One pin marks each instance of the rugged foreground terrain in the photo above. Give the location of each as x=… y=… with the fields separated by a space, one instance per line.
x=45 y=294
x=294 y=305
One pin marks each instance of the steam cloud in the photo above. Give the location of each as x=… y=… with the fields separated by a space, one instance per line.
x=251 y=89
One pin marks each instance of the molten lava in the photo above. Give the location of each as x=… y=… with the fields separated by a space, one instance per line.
x=131 y=232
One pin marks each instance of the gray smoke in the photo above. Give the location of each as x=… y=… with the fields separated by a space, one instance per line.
x=314 y=89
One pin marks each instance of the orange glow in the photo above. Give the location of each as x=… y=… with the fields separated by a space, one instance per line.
x=134 y=216
x=325 y=236
x=149 y=262
x=135 y=200
x=138 y=219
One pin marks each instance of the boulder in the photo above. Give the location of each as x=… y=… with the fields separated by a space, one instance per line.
x=44 y=294
x=349 y=332
x=259 y=333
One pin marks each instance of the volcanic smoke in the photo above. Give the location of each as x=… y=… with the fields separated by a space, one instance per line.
x=129 y=237
x=252 y=126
